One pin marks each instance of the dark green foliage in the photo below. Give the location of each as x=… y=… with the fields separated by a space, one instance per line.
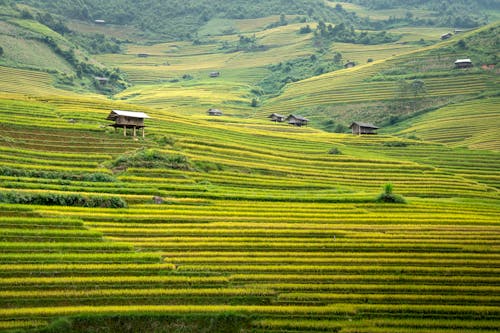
x=395 y=144
x=84 y=68
x=61 y=199
x=55 y=24
x=254 y=103
x=97 y=43
x=1 y=51
x=305 y=30
x=88 y=177
x=296 y=70
x=181 y=20
x=335 y=151
x=152 y=323
x=152 y=158
x=388 y=195
x=450 y=13
x=345 y=33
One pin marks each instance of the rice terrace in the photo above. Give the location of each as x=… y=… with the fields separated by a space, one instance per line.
x=249 y=166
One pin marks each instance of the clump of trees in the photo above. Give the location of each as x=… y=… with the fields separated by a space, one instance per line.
x=346 y=33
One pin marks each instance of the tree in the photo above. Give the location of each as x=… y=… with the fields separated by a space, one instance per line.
x=1 y=51
x=337 y=58
x=417 y=88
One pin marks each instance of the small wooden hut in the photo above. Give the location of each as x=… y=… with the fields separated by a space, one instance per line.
x=463 y=63
x=128 y=119
x=277 y=118
x=214 y=112
x=350 y=64
x=446 y=36
x=297 y=120
x=214 y=74
x=358 y=127
x=101 y=80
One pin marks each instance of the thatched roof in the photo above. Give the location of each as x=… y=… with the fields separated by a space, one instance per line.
x=365 y=125
x=116 y=113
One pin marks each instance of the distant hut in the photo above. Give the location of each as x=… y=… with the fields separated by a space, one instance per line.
x=358 y=127
x=214 y=74
x=99 y=22
x=143 y=55
x=214 y=112
x=350 y=64
x=297 y=120
x=463 y=63
x=277 y=118
x=128 y=119
x=101 y=80
x=446 y=36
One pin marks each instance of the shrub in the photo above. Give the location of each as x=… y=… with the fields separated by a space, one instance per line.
x=335 y=151
x=395 y=144
x=61 y=199
x=152 y=158
x=88 y=177
x=389 y=196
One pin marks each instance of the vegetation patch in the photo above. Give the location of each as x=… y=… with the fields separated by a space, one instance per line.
x=152 y=158
x=60 y=199
x=88 y=177
x=388 y=196
x=218 y=323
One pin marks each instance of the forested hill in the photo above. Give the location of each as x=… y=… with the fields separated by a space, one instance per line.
x=460 y=13
x=181 y=19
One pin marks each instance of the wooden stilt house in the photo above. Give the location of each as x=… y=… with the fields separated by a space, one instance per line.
x=358 y=127
x=278 y=118
x=128 y=119
x=297 y=120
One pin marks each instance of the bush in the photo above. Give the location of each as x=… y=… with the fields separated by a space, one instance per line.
x=395 y=144
x=152 y=158
x=334 y=151
x=61 y=199
x=88 y=177
x=388 y=195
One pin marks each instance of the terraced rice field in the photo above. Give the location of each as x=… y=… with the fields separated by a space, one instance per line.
x=265 y=223
x=466 y=124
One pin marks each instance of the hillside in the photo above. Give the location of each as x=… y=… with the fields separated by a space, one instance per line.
x=262 y=228
x=235 y=223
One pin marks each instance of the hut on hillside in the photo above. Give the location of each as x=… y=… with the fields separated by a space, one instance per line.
x=358 y=127
x=446 y=36
x=277 y=118
x=350 y=64
x=101 y=80
x=297 y=120
x=214 y=74
x=463 y=63
x=214 y=112
x=99 y=22
x=128 y=119
x=143 y=55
